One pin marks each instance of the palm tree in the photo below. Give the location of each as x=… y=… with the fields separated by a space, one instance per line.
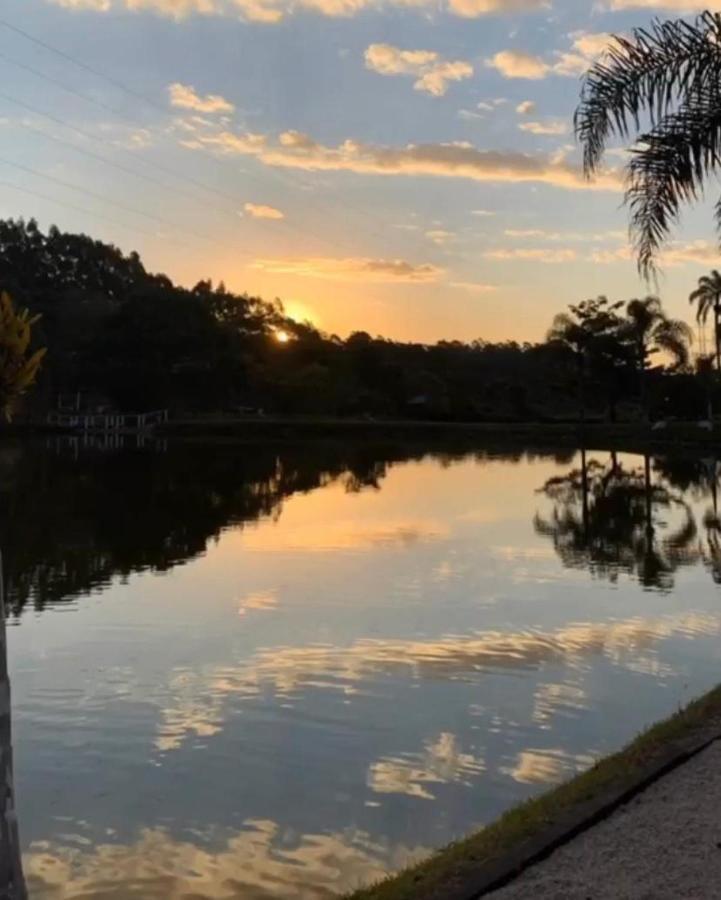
x=669 y=74
x=649 y=331
x=707 y=298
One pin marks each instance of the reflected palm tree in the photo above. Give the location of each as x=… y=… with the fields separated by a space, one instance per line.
x=603 y=519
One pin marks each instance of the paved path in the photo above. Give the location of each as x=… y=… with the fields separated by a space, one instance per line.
x=664 y=845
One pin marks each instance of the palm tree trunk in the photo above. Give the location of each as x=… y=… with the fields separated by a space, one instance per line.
x=642 y=388
x=717 y=334
x=584 y=493
x=649 y=500
x=12 y=882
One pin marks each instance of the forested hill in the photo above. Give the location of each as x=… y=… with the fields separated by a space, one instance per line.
x=128 y=339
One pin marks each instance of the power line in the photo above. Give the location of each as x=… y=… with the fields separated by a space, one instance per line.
x=40 y=196
x=116 y=83
x=100 y=197
x=101 y=140
x=66 y=56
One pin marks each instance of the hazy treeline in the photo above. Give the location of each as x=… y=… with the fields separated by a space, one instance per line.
x=132 y=340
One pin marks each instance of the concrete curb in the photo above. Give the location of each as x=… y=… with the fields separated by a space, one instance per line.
x=570 y=823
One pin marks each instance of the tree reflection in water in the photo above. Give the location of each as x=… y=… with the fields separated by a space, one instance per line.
x=613 y=519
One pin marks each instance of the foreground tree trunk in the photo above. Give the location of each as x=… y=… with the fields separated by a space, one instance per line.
x=12 y=883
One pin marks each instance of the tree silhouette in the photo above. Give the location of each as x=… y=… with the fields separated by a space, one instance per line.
x=590 y=332
x=650 y=331
x=603 y=519
x=707 y=298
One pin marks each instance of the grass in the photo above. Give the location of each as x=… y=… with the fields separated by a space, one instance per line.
x=430 y=879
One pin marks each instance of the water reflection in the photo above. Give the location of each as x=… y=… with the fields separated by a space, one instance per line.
x=76 y=520
x=280 y=671
x=261 y=862
x=614 y=519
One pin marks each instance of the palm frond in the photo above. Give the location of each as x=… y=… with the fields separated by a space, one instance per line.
x=646 y=73
x=669 y=76
x=668 y=168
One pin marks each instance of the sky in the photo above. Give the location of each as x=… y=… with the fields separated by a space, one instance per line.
x=403 y=167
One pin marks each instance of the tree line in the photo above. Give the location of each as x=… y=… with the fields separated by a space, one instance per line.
x=129 y=340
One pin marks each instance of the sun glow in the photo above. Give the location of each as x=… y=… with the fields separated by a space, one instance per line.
x=282 y=337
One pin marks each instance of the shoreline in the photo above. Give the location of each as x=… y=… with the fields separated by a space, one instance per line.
x=526 y=834
x=632 y=437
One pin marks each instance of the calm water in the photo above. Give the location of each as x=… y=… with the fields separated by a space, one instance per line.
x=256 y=672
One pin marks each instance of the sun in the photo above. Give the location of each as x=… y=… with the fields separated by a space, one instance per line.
x=281 y=336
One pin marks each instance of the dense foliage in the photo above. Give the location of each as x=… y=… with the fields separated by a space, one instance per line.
x=127 y=339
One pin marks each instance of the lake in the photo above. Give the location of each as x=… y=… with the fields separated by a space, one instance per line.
x=253 y=671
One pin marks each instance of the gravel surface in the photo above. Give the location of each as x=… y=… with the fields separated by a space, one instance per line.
x=663 y=845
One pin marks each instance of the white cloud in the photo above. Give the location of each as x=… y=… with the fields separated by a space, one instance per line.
x=260 y=211
x=591 y=44
x=293 y=149
x=351 y=268
x=472 y=9
x=682 y=6
x=440 y=236
x=526 y=108
x=271 y=11
x=550 y=126
x=483 y=213
x=184 y=96
x=518 y=64
x=432 y=73
x=541 y=255
x=700 y=253
x=474 y=287
x=470 y=115
x=586 y=48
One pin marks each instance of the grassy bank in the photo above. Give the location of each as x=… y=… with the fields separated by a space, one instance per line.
x=445 y=871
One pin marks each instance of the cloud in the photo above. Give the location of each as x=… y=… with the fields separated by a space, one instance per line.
x=474 y=287
x=184 y=96
x=526 y=108
x=491 y=105
x=483 y=213
x=546 y=766
x=94 y=5
x=682 y=6
x=472 y=9
x=260 y=211
x=550 y=126
x=591 y=44
x=263 y=859
x=433 y=74
x=440 y=236
x=258 y=601
x=351 y=269
x=700 y=253
x=441 y=762
x=518 y=64
x=293 y=149
x=586 y=48
x=541 y=255
x=271 y=11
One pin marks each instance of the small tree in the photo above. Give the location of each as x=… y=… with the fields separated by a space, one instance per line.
x=19 y=366
x=589 y=332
